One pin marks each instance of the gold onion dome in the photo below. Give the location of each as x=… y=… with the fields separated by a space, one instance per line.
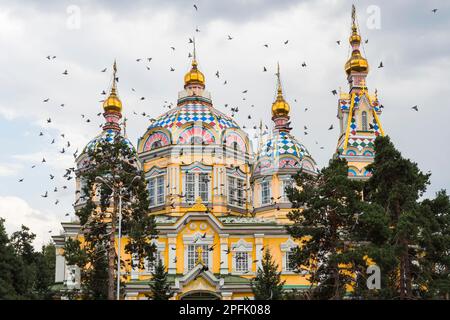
x=194 y=76
x=357 y=62
x=280 y=107
x=113 y=103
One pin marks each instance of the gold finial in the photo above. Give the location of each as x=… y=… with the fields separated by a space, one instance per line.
x=280 y=107
x=194 y=53
x=353 y=15
x=113 y=102
x=279 y=78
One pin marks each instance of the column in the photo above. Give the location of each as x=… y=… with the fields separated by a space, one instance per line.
x=172 y=253
x=259 y=243
x=223 y=253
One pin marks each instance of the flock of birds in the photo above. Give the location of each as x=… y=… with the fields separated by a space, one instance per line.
x=68 y=148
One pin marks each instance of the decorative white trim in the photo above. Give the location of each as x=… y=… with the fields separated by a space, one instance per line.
x=288 y=245
x=196 y=239
x=241 y=246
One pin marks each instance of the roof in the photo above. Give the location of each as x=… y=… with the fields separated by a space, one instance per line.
x=191 y=112
x=283 y=151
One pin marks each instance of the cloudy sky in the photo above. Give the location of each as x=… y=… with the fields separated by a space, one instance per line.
x=86 y=36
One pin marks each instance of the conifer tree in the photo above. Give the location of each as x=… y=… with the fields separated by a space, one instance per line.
x=267 y=284
x=114 y=161
x=325 y=211
x=160 y=287
x=396 y=185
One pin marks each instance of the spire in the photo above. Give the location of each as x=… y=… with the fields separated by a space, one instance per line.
x=113 y=102
x=112 y=105
x=280 y=90
x=280 y=108
x=194 y=76
x=356 y=63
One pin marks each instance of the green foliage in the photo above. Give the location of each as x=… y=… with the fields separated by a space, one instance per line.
x=159 y=286
x=327 y=210
x=117 y=164
x=408 y=239
x=267 y=284
x=25 y=273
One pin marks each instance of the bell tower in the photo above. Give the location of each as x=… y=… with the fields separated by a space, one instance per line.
x=358 y=112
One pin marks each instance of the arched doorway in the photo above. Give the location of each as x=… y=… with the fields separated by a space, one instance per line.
x=200 y=295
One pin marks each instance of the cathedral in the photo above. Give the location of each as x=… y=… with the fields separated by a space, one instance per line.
x=218 y=201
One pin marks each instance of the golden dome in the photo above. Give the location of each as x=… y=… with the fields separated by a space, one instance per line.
x=280 y=107
x=194 y=76
x=356 y=63
x=113 y=102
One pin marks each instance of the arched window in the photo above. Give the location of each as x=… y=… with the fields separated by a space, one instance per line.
x=364 y=121
x=235 y=150
x=156 y=145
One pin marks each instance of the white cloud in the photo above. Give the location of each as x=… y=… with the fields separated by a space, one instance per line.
x=18 y=212
x=7 y=169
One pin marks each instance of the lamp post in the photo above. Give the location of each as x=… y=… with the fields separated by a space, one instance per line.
x=116 y=187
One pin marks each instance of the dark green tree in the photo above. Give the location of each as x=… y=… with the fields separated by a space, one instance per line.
x=45 y=272
x=8 y=263
x=396 y=185
x=267 y=284
x=116 y=162
x=433 y=239
x=326 y=208
x=159 y=286
x=25 y=273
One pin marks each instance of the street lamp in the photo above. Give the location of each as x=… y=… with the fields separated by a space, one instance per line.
x=117 y=190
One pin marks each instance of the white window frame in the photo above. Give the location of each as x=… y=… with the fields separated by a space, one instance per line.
x=286 y=249
x=236 y=191
x=238 y=249
x=148 y=267
x=285 y=182
x=197 y=186
x=158 y=198
x=262 y=184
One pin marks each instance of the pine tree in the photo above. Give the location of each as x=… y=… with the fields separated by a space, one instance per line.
x=396 y=185
x=160 y=288
x=113 y=160
x=433 y=238
x=267 y=284
x=325 y=212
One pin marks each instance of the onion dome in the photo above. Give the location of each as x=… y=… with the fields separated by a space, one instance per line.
x=356 y=62
x=283 y=152
x=113 y=103
x=280 y=108
x=194 y=76
x=107 y=136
